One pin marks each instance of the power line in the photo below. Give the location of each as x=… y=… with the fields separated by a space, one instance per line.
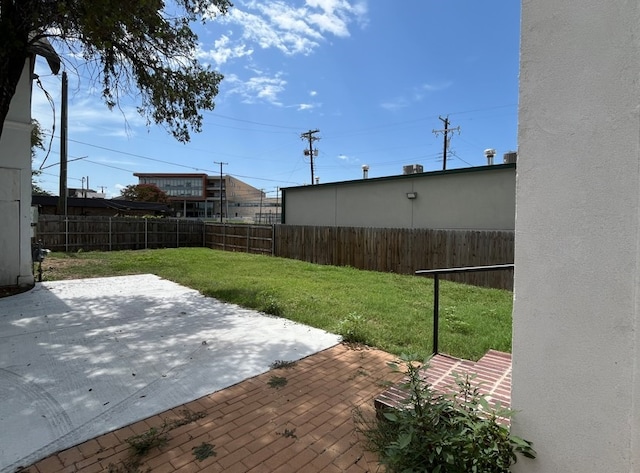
x=250 y=121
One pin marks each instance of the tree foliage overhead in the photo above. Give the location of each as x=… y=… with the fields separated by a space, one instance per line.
x=36 y=143
x=144 y=193
x=141 y=48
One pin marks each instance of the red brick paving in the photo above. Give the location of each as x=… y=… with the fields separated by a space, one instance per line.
x=492 y=376
x=306 y=425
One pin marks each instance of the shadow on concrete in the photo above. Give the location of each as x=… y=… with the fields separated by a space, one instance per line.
x=81 y=358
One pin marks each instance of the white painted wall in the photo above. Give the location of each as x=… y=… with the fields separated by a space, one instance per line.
x=15 y=188
x=576 y=340
x=474 y=198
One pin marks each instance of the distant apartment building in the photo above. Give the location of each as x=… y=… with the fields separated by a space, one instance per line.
x=208 y=197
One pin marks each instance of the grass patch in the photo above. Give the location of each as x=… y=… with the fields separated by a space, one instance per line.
x=155 y=438
x=203 y=451
x=389 y=311
x=282 y=365
x=277 y=382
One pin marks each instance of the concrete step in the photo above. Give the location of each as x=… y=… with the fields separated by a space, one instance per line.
x=491 y=374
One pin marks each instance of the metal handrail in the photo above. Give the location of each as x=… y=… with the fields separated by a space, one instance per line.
x=436 y=288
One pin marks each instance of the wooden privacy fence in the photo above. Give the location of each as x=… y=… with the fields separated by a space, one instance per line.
x=246 y=238
x=395 y=250
x=117 y=233
x=401 y=250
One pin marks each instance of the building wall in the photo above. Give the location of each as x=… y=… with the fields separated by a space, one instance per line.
x=199 y=195
x=576 y=343
x=15 y=188
x=480 y=198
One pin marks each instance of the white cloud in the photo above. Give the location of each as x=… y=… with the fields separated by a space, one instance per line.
x=313 y=93
x=420 y=92
x=259 y=88
x=346 y=159
x=435 y=87
x=276 y=26
x=294 y=29
x=395 y=104
x=417 y=94
x=291 y=27
x=224 y=51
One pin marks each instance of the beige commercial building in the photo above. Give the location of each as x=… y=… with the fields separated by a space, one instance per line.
x=478 y=198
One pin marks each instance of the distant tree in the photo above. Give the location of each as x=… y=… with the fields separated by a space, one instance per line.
x=144 y=193
x=142 y=48
x=36 y=144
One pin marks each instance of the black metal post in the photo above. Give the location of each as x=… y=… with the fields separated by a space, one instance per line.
x=436 y=311
x=436 y=288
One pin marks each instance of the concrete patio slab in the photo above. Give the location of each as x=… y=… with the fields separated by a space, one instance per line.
x=81 y=358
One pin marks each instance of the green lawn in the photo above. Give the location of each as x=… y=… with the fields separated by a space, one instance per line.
x=389 y=311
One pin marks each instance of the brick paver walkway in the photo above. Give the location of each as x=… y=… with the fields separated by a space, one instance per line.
x=304 y=426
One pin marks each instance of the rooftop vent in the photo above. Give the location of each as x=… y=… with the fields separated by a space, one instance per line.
x=490 y=153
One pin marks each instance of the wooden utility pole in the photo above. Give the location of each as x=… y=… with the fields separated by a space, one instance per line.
x=260 y=214
x=62 y=199
x=221 y=181
x=309 y=136
x=445 y=133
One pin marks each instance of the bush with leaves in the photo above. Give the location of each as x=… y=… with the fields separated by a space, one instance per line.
x=456 y=432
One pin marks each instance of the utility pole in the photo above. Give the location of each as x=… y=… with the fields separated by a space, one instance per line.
x=62 y=199
x=445 y=133
x=310 y=152
x=221 y=180
x=260 y=214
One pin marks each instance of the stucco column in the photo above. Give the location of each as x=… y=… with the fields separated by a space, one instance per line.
x=576 y=377
x=15 y=188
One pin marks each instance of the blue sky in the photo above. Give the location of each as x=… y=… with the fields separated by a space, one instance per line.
x=373 y=76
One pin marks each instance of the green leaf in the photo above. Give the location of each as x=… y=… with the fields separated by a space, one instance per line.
x=391 y=416
x=404 y=440
x=484 y=403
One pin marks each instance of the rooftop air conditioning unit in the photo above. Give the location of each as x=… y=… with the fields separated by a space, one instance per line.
x=510 y=158
x=412 y=169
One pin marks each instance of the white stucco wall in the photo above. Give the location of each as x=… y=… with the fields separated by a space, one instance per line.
x=15 y=188
x=576 y=356
x=474 y=198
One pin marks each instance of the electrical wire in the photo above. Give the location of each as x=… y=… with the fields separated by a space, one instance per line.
x=53 y=109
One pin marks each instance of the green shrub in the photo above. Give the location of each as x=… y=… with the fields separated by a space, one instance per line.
x=268 y=303
x=352 y=329
x=442 y=433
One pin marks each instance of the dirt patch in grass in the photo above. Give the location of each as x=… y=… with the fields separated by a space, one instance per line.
x=66 y=268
